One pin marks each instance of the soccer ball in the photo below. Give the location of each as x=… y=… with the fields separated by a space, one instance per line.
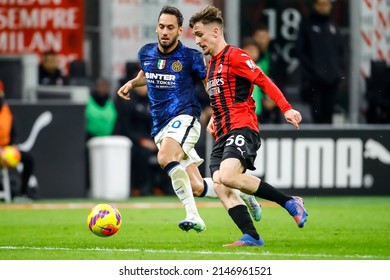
x=9 y=156
x=104 y=220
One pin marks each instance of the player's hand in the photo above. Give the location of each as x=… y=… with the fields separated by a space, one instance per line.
x=124 y=91
x=294 y=117
x=211 y=127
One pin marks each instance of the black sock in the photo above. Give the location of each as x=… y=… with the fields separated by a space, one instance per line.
x=170 y=166
x=241 y=218
x=205 y=188
x=268 y=192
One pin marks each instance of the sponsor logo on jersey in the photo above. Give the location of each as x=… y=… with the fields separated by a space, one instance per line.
x=161 y=63
x=213 y=86
x=177 y=66
x=160 y=80
x=158 y=76
x=215 y=83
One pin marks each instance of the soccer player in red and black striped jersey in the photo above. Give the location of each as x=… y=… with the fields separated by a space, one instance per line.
x=230 y=78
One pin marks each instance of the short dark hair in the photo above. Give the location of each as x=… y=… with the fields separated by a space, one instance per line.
x=172 y=11
x=207 y=15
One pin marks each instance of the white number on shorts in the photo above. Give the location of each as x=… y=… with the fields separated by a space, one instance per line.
x=239 y=141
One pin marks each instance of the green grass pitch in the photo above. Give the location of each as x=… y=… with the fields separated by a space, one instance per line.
x=338 y=228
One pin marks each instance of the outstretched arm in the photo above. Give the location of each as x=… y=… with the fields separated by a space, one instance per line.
x=268 y=86
x=138 y=81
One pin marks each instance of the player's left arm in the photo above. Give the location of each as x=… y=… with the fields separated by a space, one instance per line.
x=271 y=89
x=246 y=67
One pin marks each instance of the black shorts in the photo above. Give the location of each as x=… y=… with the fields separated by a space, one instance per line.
x=241 y=144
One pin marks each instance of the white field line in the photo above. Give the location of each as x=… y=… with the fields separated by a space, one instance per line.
x=119 y=205
x=186 y=252
x=88 y=205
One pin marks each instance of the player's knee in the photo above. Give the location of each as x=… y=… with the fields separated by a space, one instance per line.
x=218 y=187
x=166 y=157
x=163 y=159
x=220 y=190
x=228 y=179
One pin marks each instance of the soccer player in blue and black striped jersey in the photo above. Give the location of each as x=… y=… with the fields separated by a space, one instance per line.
x=171 y=72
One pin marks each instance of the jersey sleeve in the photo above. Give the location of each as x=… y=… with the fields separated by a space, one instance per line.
x=140 y=58
x=244 y=66
x=199 y=65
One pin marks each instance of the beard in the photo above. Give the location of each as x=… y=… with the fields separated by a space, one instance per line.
x=167 y=45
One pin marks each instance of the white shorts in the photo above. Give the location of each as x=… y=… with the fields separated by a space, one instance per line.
x=185 y=129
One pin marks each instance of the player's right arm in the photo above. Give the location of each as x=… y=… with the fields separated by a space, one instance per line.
x=138 y=81
x=211 y=127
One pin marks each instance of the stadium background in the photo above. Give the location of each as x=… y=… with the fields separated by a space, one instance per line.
x=349 y=157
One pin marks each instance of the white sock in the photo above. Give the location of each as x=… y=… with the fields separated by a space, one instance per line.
x=210 y=193
x=182 y=187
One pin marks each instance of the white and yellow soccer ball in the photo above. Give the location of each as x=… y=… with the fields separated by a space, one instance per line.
x=104 y=220
x=9 y=156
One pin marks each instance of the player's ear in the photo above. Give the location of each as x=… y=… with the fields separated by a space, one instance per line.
x=215 y=32
x=180 y=30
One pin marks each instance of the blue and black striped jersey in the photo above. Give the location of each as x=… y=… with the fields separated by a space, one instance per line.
x=172 y=80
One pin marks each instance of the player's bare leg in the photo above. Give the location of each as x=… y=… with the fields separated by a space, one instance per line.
x=232 y=177
x=169 y=155
x=201 y=187
x=239 y=214
x=204 y=187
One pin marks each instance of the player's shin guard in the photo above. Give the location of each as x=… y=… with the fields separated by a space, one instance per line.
x=241 y=218
x=252 y=204
x=266 y=191
x=182 y=187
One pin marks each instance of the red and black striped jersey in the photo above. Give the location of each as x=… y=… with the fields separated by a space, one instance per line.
x=230 y=78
